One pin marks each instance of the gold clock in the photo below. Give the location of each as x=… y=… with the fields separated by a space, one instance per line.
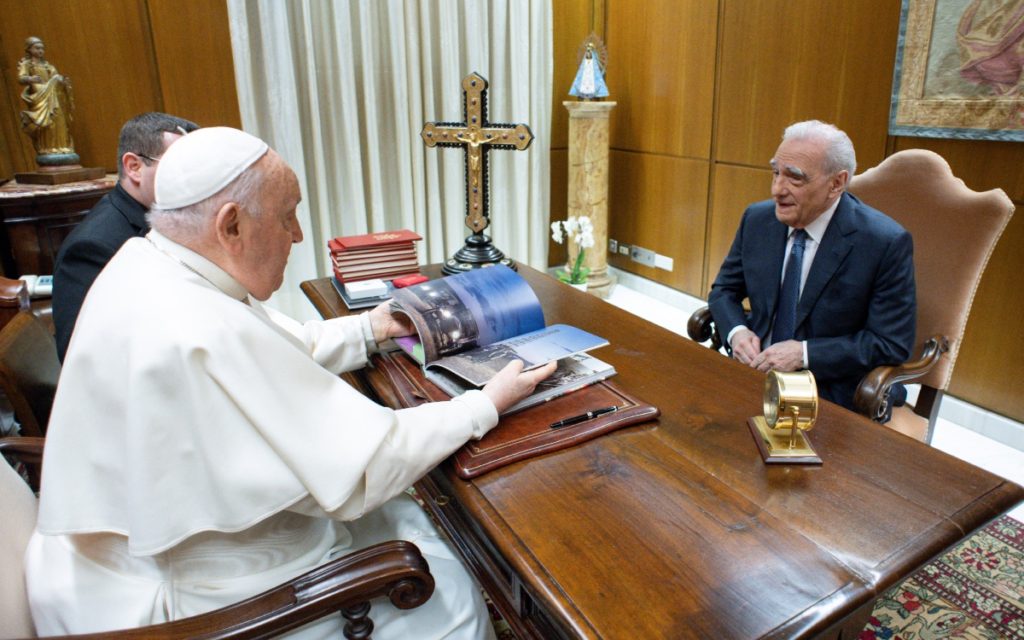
x=790 y=409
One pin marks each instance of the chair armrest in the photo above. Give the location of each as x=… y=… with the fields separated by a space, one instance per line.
x=872 y=396
x=701 y=328
x=14 y=294
x=395 y=569
x=27 y=451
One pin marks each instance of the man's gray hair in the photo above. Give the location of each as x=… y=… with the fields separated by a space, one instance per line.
x=839 y=153
x=191 y=222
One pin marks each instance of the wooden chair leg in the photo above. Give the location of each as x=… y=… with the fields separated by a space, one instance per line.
x=927 y=406
x=359 y=626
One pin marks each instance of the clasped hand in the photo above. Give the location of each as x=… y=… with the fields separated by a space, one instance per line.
x=783 y=356
x=511 y=385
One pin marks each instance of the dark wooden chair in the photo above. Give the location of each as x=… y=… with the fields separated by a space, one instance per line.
x=396 y=570
x=28 y=371
x=955 y=230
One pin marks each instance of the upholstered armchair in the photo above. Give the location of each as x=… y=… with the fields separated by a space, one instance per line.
x=955 y=230
x=344 y=586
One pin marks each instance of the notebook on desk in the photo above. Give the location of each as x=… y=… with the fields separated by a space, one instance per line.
x=521 y=435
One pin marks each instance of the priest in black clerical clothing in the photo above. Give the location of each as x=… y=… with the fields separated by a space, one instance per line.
x=119 y=215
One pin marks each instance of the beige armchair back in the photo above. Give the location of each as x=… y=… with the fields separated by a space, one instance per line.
x=955 y=230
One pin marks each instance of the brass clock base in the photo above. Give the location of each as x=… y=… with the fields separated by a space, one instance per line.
x=774 y=444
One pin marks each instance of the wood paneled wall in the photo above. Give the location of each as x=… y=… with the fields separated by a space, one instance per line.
x=704 y=90
x=124 y=57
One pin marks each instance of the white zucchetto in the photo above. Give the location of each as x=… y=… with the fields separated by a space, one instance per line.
x=202 y=163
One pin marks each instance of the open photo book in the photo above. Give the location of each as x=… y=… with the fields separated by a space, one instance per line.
x=470 y=325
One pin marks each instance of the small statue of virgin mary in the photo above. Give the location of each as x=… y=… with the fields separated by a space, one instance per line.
x=589 y=82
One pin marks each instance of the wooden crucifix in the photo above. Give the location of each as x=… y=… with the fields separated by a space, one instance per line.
x=477 y=137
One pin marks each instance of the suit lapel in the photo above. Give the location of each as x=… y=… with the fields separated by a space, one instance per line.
x=835 y=246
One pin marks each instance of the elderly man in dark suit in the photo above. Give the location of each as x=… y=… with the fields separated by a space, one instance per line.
x=829 y=279
x=120 y=215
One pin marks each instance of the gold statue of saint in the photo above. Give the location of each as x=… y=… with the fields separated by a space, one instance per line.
x=47 y=94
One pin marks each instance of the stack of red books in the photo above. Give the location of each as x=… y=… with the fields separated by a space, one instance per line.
x=385 y=255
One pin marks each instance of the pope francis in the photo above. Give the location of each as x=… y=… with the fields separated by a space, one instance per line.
x=203 y=449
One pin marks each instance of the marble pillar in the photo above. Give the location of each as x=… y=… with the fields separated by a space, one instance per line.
x=588 y=183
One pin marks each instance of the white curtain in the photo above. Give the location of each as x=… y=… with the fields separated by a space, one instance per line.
x=342 y=88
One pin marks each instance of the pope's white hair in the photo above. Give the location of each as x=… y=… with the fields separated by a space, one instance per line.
x=839 y=153
x=192 y=221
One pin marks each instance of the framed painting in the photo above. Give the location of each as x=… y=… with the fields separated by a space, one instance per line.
x=959 y=70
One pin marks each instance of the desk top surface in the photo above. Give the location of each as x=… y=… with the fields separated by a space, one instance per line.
x=676 y=528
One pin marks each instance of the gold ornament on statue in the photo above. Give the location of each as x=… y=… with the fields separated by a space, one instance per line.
x=790 y=409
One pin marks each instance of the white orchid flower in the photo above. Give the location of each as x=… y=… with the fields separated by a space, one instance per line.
x=584 y=235
x=557 y=232
x=581 y=230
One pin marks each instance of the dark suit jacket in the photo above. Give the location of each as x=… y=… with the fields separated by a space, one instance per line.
x=858 y=306
x=115 y=218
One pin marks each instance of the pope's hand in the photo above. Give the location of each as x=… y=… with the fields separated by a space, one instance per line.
x=512 y=384
x=388 y=325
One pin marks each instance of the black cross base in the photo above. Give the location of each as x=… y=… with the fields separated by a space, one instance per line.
x=476 y=253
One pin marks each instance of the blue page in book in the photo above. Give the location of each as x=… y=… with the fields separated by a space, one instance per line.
x=468 y=310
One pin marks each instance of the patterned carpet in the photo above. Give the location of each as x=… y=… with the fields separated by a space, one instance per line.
x=975 y=591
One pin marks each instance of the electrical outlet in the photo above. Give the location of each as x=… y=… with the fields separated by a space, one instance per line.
x=613 y=246
x=623 y=249
x=643 y=256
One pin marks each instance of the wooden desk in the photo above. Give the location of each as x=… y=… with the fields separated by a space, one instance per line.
x=37 y=218
x=676 y=529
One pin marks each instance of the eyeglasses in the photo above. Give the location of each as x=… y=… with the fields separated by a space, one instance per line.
x=145 y=157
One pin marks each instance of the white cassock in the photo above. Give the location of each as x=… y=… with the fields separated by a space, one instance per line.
x=202 y=449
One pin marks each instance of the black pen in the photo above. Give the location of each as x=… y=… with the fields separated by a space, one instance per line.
x=583 y=417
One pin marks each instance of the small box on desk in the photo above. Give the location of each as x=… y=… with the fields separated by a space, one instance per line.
x=366 y=289
x=363 y=303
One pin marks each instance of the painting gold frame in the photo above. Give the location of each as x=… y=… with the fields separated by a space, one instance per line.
x=930 y=97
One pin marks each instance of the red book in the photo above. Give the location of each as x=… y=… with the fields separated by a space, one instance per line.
x=347 y=243
x=376 y=266
x=359 y=257
x=384 y=248
x=363 y=254
x=383 y=274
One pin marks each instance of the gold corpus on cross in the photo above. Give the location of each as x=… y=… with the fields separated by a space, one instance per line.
x=476 y=136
